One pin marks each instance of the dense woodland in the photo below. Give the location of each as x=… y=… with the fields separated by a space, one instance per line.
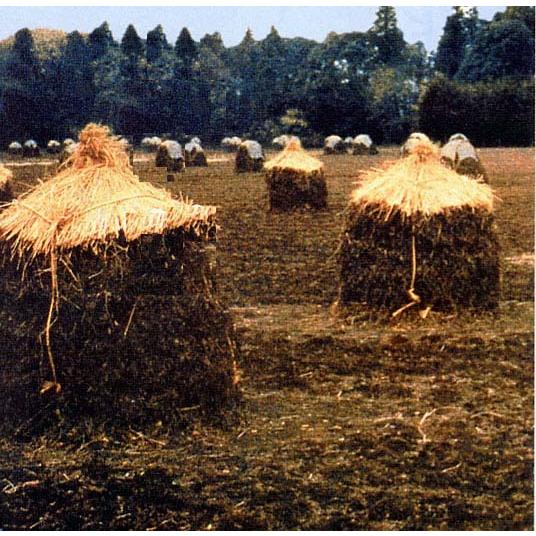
x=479 y=81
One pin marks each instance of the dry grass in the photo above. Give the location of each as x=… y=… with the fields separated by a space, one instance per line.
x=420 y=185
x=294 y=158
x=94 y=198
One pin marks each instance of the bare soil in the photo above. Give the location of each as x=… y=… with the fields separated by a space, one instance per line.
x=346 y=423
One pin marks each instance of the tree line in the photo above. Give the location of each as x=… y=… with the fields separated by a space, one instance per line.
x=480 y=81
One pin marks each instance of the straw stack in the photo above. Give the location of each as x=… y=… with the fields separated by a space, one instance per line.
x=295 y=179
x=249 y=157
x=107 y=304
x=194 y=155
x=460 y=155
x=419 y=235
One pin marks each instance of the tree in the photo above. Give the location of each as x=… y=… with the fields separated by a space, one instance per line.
x=451 y=47
x=131 y=44
x=75 y=87
x=386 y=37
x=100 y=41
x=23 y=98
x=156 y=43
x=503 y=48
x=186 y=53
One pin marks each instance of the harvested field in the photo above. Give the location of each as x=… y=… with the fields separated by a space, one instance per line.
x=360 y=423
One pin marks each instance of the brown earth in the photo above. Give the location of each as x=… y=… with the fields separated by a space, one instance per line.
x=358 y=423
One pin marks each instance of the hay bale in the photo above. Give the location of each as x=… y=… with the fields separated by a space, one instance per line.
x=460 y=155
x=53 y=147
x=412 y=142
x=231 y=144
x=458 y=136
x=117 y=275
x=151 y=143
x=334 y=145
x=418 y=234
x=30 y=149
x=363 y=144
x=194 y=155
x=249 y=157
x=14 y=148
x=295 y=180
x=170 y=156
x=6 y=184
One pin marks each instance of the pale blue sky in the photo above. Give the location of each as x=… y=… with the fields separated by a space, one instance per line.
x=418 y=23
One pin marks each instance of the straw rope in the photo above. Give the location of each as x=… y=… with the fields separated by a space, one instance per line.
x=414 y=297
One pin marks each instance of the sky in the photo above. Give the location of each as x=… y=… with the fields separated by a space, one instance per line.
x=421 y=23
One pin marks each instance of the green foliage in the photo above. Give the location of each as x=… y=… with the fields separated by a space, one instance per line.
x=386 y=37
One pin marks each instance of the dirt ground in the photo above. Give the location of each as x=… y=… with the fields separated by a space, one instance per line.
x=359 y=423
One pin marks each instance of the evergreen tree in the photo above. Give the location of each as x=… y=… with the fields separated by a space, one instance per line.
x=23 y=91
x=156 y=43
x=186 y=53
x=131 y=44
x=100 y=41
x=386 y=37
x=451 y=48
x=75 y=91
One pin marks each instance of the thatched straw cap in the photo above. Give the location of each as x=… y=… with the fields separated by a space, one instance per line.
x=294 y=158
x=95 y=198
x=418 y=185
x=363 y=139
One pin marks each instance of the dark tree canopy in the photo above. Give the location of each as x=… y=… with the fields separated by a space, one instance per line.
x=131 y=44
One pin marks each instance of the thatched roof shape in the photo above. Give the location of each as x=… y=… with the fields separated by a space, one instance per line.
x=413 y=141
x=363 y=139
x=332 y=141
x=293 y=157
x=419 y=186
x=94 y=198
x=68 y=141
x=15 y=146
x=30 y=143
x=458 y=136
x=195 y=140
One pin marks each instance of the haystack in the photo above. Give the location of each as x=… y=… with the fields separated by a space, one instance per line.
x=194 y=155
x=412 y=142
x=68 y=141
x=108 y=314
x=30 y=149
x=231 y=144
x=128 y=147
x=151 y=143
x=419 y=235
x=169 y=155
x=6 y=183
x=196 y=140
x=363 y=144
x=459 y=154
x=14 y=148
x=334 y=145
x=295 y=179
x=249 y=157
x=280 y=142
x=53 y=147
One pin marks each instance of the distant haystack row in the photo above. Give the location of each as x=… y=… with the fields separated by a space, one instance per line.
x=460 y=155
x=53 y=147
x=249 y=157
x=14 y=148
x=30 y=149
x=295 y=179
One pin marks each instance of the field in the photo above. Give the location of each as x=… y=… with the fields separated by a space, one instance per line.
x=361 y=423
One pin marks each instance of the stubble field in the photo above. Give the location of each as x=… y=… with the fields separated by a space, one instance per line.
x=361 y=423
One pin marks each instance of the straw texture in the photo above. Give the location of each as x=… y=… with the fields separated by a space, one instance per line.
x=93 y=199
x=419 y=185
x=293 y=157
